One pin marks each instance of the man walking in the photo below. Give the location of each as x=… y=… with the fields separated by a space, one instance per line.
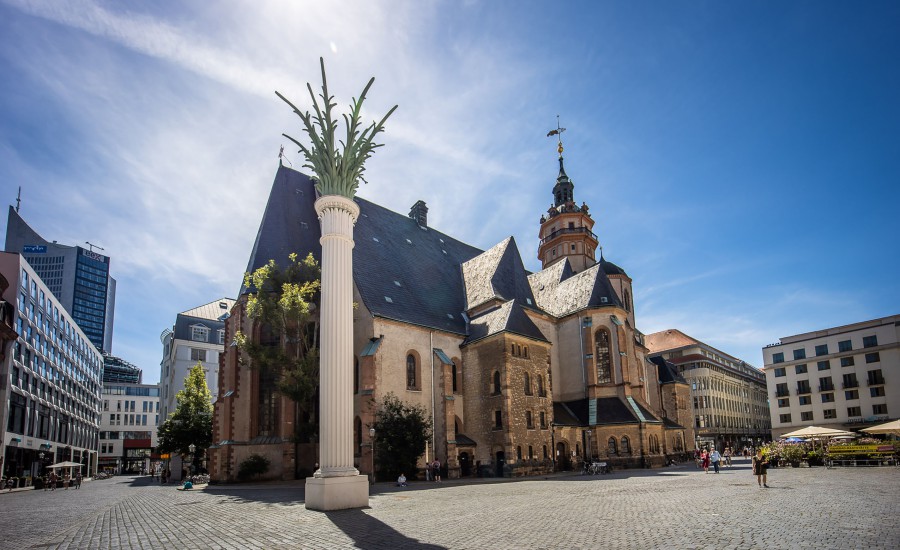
x=715 y=457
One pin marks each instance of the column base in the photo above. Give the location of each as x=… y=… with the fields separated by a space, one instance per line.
x=337 y=493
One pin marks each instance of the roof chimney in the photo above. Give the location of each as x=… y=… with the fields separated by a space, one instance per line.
x=419 y=212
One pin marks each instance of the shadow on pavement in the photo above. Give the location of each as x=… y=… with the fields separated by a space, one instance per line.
x=281 y=496
x=368 y=532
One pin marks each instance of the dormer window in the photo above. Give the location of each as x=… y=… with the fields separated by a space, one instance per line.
x=199 y=333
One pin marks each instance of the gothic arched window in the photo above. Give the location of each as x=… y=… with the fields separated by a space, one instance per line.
x=540 y=384
x=611 y=446
x=626 y=448
x=527 y=384
x=412 y=378
x=602 y=356
x=627 y=300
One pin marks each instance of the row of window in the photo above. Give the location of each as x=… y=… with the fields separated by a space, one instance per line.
x=733 y=422
x=529 y=420
x=849 y=395
x=29 y=418
x=120 y=419
x=874 y=357
x=873 y=378
x=831 y=414
x=822 y=349
x=131 y=406
x=200 y=333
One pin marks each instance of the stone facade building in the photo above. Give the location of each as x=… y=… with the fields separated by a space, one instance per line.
x=521 y=372
x=730 y=404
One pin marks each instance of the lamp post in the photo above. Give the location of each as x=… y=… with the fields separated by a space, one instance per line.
x=372 y=438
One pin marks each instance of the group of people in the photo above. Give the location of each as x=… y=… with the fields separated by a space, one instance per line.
x=53 y=479
x=432 y=473
x=705 y=458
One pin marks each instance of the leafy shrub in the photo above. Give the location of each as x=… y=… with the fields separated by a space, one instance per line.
x=255 y=465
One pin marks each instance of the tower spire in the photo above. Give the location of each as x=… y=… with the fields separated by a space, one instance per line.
x=563 y=191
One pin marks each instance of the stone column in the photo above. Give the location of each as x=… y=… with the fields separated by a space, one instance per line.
x=337 y=484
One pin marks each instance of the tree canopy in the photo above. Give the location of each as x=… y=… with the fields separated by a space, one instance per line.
x=191 y=422
x=283 y=302
x=401 y=431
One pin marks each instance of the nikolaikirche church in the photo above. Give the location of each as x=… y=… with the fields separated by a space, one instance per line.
x=522 y=372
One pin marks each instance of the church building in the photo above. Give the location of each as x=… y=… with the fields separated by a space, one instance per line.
x=521 y=372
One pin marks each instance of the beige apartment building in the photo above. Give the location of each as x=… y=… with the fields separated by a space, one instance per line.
x=729 y=399
x=844 y=377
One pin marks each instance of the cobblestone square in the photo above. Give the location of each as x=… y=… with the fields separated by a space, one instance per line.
x=676 y=507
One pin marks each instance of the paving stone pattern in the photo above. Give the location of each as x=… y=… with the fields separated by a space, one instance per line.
x=677 y=507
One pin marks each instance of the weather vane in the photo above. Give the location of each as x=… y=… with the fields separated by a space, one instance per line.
x=558 y=132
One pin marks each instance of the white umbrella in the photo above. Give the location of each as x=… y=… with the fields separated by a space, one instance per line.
x=815 y=431
x=892 y=428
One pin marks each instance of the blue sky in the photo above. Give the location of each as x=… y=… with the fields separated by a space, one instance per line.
x=741 y=160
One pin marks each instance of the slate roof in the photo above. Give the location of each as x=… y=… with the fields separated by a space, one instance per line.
x=390 y=248
x=509 y=317
x=610 y=410
x=667 y=371
x=497 y=273
x=560 y=293
x=213 y=310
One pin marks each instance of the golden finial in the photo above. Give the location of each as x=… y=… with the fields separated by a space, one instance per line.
x=558 y=132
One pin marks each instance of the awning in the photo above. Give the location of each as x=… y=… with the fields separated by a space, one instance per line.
x=442 y=356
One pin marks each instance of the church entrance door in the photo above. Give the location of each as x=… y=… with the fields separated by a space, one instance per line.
x=501 y=461
x=465 y=465
x=562 y=459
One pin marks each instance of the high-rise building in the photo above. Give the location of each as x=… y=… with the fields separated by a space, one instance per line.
x=198 y=336
x=78 y=277
x=119 y=371
x=50 y=379
x=728 y=394
x=845 y=377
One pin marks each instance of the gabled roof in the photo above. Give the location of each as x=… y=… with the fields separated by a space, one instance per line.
x=402 y=271
x=561 y=293
x=509 y=317
x=497 y=274
x=668 y=339
x=667 y=372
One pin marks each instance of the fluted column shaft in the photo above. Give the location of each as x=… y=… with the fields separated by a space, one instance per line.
x=337 y=215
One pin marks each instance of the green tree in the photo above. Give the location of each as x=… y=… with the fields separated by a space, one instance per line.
x=283 y=302
x=191 y=422
x=401 y=431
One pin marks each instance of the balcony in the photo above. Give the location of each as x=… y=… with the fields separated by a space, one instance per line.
x=826 y=387
x=569 y=230
x=782 y=393
x=801 y=390
x=850 y=385
x=876 y=381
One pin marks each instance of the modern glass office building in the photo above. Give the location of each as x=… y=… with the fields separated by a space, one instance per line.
x=78 y=277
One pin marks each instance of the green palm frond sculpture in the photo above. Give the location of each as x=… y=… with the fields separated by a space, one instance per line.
x=337 y=172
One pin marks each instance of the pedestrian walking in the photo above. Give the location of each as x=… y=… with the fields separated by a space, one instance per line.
x=760 y=467
x=715 y=458
x=727 y=456
x=78 y=479
x=704 y=460
x=53 y=480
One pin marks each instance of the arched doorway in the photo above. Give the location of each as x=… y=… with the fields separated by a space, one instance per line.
x=562 y=458
x=465 y=465
x=500 y=462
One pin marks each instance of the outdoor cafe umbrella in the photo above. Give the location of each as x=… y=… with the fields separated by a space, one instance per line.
x=892 y=428
x=815 y=431
x=67 y=464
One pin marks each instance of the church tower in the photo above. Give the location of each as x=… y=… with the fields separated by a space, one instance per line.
x=566 y=229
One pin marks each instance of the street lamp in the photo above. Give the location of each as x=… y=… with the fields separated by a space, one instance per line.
x=372 y=437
